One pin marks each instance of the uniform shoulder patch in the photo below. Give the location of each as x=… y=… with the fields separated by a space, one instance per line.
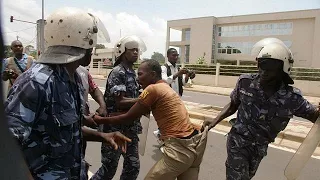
x=40 y=73
x=248 y=76
x=295 y=90
x=246 y=79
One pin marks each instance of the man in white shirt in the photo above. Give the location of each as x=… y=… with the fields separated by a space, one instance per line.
x=176 y=77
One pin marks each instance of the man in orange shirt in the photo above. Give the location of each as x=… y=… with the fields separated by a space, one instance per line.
x=184 y=145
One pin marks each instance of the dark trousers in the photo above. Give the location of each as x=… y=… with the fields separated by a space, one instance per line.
x=110 y=159
x=243 y=158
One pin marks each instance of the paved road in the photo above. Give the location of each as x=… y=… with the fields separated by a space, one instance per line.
x=272 y=166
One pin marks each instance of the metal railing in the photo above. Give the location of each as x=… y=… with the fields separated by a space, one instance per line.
x=99 y=68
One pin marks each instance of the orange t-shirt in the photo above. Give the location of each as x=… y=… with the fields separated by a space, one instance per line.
x=168 y=110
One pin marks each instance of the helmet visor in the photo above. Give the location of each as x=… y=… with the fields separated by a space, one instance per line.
x=131 y=42
x=102 y=35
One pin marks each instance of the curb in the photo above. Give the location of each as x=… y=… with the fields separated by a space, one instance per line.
x=208 y=92
x=99 y=77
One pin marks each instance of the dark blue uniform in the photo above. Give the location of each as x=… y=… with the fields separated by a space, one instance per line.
x=120 y=80
x=44 y=111
x=258 y=122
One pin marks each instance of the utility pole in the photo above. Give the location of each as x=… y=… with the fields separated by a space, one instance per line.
x=12 y=19
x=40 y=32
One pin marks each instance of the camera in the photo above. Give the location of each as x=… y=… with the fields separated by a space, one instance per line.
x=190 y=73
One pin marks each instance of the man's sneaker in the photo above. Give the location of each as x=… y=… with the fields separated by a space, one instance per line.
x=156 y=133
x=162 y=149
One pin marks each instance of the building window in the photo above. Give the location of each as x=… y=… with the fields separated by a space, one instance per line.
x=256 y=30
x=213 y=48
x=187 y=53
x=187 y=34
x=234 y=51
x=240 y=47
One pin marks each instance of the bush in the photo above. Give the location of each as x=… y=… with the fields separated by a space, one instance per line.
x=201 y=60
x=227 y=62
x=199 y=66
x=248 y=63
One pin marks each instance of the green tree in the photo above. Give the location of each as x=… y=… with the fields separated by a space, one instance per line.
x=158 y=57
x=7 y=51
x=145 y=59
x=100 y=46
x=33 y=54
x=31 y=51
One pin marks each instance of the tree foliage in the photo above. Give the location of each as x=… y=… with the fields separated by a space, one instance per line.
x=7 y=51
x=100 y=46
x=158 y=57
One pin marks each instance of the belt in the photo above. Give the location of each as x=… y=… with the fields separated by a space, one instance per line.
x=195 y=132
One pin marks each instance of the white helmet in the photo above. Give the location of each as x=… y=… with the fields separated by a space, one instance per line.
x=260 y=44
x=129 y=42
x=73 y=27
x=68 y=33
x=272 y=48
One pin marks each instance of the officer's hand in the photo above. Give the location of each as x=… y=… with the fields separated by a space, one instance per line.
x=88 y=121
x=207 y=123
x=117 y=140
x=102 y=111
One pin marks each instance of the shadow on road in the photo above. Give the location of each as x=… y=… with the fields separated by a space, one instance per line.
x=157 y=154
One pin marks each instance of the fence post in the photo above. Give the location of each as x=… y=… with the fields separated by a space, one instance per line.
x=216 y=82
x=238 y=62
x=99 y=66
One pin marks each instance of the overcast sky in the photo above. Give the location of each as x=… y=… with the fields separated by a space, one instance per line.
x=145 y=18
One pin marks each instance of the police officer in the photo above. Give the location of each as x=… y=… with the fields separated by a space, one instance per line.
x=122 y=91
x=265 y=102
x=44 y=106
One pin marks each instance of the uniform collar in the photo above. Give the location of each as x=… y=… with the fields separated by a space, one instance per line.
x=256 y=83
x=63 y=74
x=127 y=69
x=282 y=91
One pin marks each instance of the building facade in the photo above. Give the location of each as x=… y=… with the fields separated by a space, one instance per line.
x=232 y=37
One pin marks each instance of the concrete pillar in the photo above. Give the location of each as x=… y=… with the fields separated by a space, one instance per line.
x=316 y=42
x=91 y=63
x=167 y=42
x=182 y=56
x=216 y=82
x=99 y=66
